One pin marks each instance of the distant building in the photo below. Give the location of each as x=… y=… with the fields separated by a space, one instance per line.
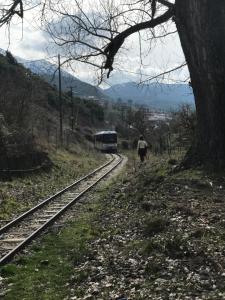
x=96 y=100
x=157 y=116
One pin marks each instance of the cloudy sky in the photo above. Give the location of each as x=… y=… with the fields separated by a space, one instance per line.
x=29 y=42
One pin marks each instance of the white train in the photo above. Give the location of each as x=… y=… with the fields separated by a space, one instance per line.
x=106 y=141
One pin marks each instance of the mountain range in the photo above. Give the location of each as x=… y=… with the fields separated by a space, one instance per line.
x=48 y=71
x=158 y=96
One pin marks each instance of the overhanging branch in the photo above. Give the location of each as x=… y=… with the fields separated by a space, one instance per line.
x=164 y=73
x=113 y=47
x=166 y=3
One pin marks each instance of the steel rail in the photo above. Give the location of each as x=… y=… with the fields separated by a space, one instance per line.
x=46 y=201
x=5 y=259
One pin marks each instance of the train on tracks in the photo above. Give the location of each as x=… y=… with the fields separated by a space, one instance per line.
x=106 y=141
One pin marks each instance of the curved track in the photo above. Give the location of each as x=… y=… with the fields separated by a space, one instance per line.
x=15 y=235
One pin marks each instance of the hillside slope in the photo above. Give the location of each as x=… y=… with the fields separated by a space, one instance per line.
x=29 y=119
x=48 y=71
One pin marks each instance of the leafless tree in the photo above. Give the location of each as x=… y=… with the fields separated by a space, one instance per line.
x=183 y=125
x=95 y=34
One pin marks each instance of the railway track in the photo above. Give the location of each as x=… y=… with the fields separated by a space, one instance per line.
x=18 y=233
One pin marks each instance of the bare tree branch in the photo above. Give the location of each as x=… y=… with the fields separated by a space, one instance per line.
x=15 y=8
x=113 y=47
x=166 y=3
x=164 y=73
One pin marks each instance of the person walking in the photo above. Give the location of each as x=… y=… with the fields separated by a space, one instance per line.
x=142 y=148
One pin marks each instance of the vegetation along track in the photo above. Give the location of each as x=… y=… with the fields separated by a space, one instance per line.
x=16 y=234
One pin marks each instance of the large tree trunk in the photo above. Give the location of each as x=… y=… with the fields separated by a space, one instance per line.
x=201 y=27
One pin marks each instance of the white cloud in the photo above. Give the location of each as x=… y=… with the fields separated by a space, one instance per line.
x=24 y=41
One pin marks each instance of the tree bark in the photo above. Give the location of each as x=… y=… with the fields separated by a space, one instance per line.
x=201 y=27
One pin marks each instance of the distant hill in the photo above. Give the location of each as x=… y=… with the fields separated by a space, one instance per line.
x=158 y=96
x=48 y=71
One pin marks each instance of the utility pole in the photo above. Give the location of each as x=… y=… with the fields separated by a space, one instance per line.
x=72 y=108
x=60 y=104
x=77 y=112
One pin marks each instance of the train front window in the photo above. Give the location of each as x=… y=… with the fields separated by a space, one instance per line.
x=109 y=138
